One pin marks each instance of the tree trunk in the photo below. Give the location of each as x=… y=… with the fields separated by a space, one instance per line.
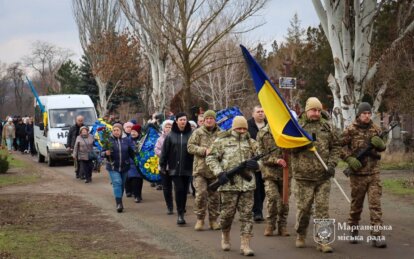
x=103 y=102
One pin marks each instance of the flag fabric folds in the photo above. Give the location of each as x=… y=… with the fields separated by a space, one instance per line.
x=285 y=129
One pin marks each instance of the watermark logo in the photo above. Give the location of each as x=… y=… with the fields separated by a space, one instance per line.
x=324 y=231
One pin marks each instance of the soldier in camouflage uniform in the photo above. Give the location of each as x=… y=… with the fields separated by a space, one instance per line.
x=312 y=181
x=229 y=150
x=199 y=145
x=365 y=177
x=272 y=175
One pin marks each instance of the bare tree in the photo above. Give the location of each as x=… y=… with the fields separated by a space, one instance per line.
x=15 y=75
x=94 y=17
x=146 y=18
x=225 y=86
x=197 y=26
x=349 y=26
x=46 y=59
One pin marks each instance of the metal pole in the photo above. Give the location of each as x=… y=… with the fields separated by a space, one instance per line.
x=286 y=178
x=326 y=168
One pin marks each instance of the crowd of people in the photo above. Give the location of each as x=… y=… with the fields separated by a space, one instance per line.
x=197 y=154
x=17 y=134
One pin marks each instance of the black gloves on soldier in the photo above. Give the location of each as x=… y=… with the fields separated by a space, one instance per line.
x=252 y=164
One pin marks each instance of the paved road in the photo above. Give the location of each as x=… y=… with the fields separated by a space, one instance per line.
x=150 y=220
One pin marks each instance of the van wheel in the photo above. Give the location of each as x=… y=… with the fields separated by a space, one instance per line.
x=40 y=157
x=50 y=162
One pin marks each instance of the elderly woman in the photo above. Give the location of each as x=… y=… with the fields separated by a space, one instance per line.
x=165 y=178
x=81 y=151
x=133 y=185
x=119 y=157
x=9 y=134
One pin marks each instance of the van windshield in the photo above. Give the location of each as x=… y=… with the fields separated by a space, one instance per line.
x=61 y=118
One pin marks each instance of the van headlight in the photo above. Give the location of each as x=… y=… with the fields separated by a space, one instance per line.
x=57 y=145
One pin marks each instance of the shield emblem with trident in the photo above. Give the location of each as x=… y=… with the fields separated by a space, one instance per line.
x=324 y=231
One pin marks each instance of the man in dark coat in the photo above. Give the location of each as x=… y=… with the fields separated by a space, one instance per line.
x=257 y=122
x=70 y=144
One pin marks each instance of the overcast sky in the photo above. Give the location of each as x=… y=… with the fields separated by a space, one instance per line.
x=23 y=22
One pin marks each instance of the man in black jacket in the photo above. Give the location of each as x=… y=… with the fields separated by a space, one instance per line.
x=175 y=156
x=73 y=133
x=257 y=122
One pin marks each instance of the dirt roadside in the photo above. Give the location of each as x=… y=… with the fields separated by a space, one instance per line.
x=152 y=228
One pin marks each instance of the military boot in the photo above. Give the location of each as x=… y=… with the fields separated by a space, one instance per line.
x=269 y=230
x=378 y=240
x=225 y=240
x=300 y=241
x=245 y=245
x=282 y=231
x=324 y=248
x=199 y=224
x=379 y=243
x=214 y=225
x=354 y=234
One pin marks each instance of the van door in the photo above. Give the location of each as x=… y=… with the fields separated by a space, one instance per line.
x=40 y=134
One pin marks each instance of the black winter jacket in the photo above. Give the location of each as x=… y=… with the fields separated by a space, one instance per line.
x=174 y=152
x=20 y=130
x=73 y=133
x=253 y=129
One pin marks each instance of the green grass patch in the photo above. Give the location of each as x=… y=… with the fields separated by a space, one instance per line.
x=398 y=186
x=17 y=163
x=19 y=175
x=16 y=178
x=397 y=166
x=21 y=243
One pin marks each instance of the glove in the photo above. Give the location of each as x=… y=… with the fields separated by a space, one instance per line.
x=252 y=164
x=331 y=171
x=378 y=143
x=222 y=178
x=354 y=163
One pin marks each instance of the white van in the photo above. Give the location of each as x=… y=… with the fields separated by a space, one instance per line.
x=62 y=110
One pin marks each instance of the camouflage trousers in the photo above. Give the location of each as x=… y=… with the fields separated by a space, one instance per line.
x=361 y=185
x=205 y=199
x=275 y=208
x=241 y=201
x=306 y=194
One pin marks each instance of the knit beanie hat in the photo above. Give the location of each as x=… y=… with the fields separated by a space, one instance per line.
x=128 y=124
x=166 y=122
x=363 y=107
x=137 y=128
x=193 y=124
x=117 y=125
x=313 y=103
x=209 y=113
x=239 y=122
x=83 y=127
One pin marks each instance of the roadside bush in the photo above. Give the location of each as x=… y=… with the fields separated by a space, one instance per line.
x=4 y=164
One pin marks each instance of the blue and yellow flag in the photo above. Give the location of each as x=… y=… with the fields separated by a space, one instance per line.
x=285 y=129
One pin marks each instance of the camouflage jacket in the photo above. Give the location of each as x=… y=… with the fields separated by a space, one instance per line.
x=199 y=142
x=357 y=137
x=270 y=170
x=305 y=164
x=227 y=152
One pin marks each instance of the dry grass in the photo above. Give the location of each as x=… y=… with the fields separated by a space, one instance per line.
x=397 y=161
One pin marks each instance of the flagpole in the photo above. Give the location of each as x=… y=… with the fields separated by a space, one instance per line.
x=326 y=168
x=286 y=178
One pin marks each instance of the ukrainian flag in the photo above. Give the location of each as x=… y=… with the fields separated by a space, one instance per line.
x=285 y=129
